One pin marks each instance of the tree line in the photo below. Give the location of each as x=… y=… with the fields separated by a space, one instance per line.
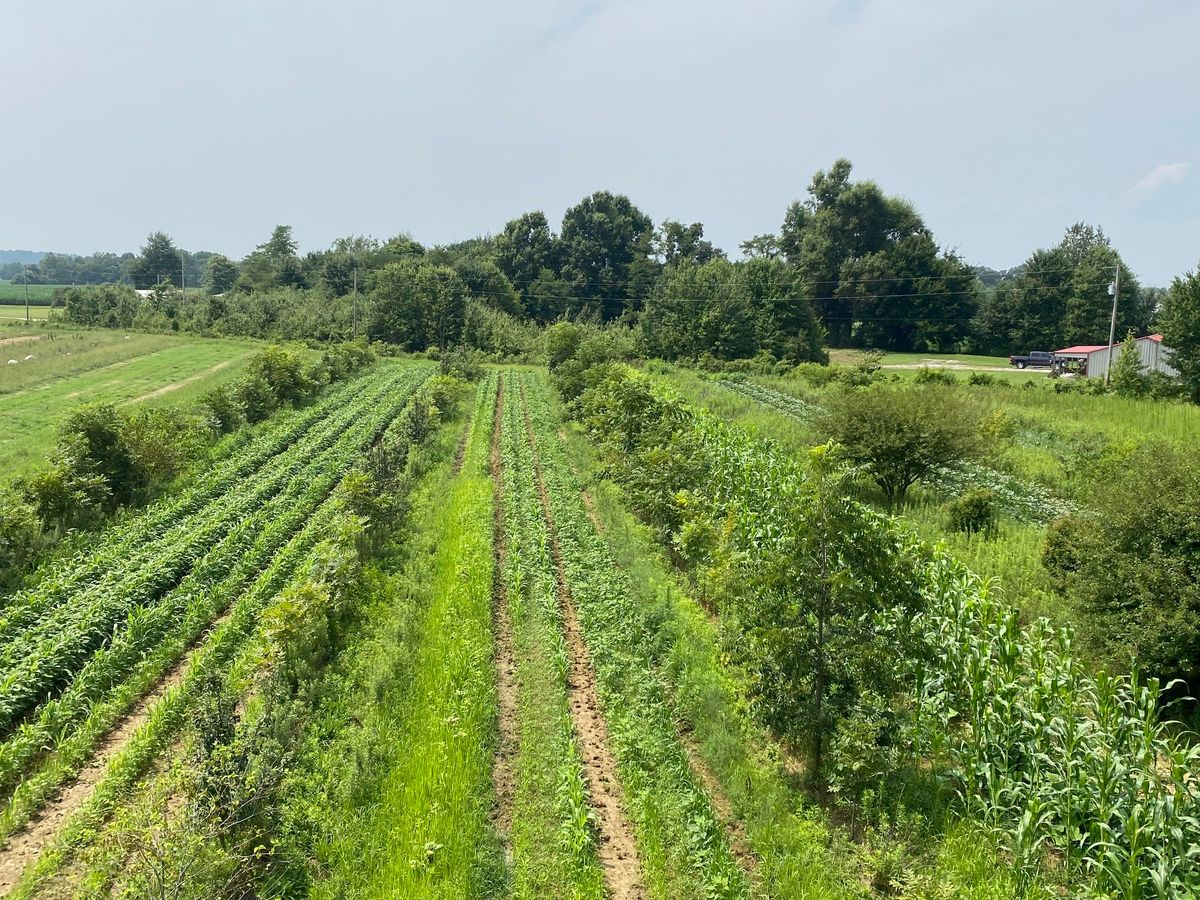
x=850 y=266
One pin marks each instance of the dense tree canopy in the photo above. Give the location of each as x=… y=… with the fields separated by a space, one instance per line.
x=605 y=253
x=872 y=268
x=1061 y=297
x=158 y=261
x=1180 y=319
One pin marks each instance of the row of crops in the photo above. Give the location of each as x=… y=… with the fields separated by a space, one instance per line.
x=1075 y=776
x=562 y=576
x=100 y=630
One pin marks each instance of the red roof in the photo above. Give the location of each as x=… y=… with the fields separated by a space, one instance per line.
x=1092 y=348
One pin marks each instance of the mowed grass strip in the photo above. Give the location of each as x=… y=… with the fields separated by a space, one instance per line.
x=179 y=372
x=428 y=832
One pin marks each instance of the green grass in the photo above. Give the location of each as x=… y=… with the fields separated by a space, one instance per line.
x=13 y=312
x=427 y=833
x=71 y=368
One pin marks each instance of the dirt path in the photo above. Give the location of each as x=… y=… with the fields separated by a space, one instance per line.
x=20 y=340
x=183 y=382
x=735 y=829
x=503 y=774
x=460 y=452
x=24 y=847
x=617 y=849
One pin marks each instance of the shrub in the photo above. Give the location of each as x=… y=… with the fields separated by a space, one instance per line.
x=974 y=512
x=1133 y=566
x=982 y=379
x=224 y=406
x=934 y=375
x=462 y=363
x=900 y=434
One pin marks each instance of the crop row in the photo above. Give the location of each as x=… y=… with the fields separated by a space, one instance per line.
x=123 y=545
x=48 y=655
x=684 y=846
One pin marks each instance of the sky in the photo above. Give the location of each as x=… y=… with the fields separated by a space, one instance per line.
x=1003 y=121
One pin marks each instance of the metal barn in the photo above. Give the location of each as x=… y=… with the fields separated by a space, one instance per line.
x=1094 y=358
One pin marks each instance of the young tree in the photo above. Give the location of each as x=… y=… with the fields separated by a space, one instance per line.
x=1126 y=378
x=1180 y=320
x=899 y=434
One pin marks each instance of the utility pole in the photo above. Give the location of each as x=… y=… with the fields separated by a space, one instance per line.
x=26 y=294
x=353 y=308
x=1112 y=328
x=182 y=273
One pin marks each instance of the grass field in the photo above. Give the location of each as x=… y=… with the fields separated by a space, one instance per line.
x=11 y=312
x=73 y=367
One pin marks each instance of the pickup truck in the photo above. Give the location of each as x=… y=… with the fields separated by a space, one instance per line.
x=1037 y=359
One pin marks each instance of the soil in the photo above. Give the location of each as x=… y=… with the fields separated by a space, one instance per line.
x=23 y=848
x=20 y=340
x=617 y=849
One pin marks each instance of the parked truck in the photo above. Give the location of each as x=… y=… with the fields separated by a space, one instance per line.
x=1036 y=359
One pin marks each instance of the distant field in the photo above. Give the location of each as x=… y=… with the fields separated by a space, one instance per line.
x=38 y=293
x=10 y=312
x=69 y=368
x=907 y=365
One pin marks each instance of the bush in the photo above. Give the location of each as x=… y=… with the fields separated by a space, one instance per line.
x=900 y=434
x=1132 y=567
x=934 y=375
x=20 y=537
x=982 y=379
x=974 y=512
x=462 y=363
x=224 y=406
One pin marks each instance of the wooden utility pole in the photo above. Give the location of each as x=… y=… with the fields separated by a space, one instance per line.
x=26 y=294
x=1112 y=328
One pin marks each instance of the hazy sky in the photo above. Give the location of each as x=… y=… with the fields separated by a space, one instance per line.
x=1004 y=121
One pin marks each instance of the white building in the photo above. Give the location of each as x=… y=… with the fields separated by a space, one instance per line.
x=1094 y=358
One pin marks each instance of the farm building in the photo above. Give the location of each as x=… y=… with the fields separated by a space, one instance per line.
x=1093 y=359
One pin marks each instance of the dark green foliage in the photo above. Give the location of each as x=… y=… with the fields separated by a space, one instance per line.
x=1180 y=320
x=417 y=305
x=899 y=435
x=850 y=231
x=105 y=305
x=221 y=274
x=1132 y=566
x=158 y=261
x=1060 y=297
x=700 y=309
x=574 y=350
x=974 y=512
x=1126 y=378
x=605 y=254
x=934 y=375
